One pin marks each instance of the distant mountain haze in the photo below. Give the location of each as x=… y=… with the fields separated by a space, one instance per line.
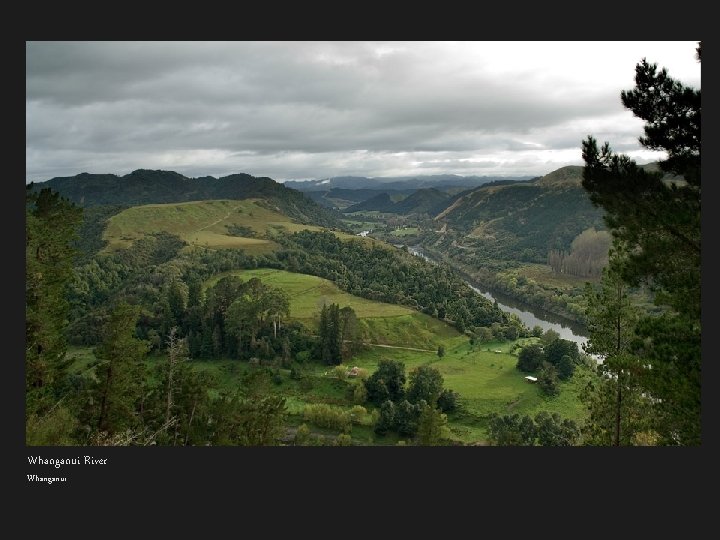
x=396 y=182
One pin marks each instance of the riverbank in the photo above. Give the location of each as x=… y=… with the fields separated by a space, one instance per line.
x=529 y=315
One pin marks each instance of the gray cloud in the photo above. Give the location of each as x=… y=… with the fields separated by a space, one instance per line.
x=318 y=109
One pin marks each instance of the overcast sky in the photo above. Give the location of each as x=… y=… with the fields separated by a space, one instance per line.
x=301 y=110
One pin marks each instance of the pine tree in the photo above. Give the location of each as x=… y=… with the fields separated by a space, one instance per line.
x=431 y=426
x=120 y=374
x=612 y=320
x=658 y=222
x=330 y=335
x=51 y=225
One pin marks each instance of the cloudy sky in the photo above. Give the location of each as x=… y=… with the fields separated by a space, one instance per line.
x=301 y=110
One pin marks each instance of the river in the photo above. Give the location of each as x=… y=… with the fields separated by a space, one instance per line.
x=530 y=316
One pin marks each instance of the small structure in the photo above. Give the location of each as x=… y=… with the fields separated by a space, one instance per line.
x=531 y=379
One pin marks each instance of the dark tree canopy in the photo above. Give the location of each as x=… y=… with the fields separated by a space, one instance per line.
x=530 y=358
x=655 y=223
x=387 y=382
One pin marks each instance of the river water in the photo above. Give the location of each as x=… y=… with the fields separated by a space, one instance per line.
x=530 y=316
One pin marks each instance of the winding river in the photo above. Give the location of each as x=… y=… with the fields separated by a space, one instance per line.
x=530 y=316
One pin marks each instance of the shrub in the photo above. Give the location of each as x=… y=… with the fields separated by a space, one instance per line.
x=327 y=416
x=302 y=435
x=340 y=372
x=448 y=400
x=343 y=440
x=357 y=414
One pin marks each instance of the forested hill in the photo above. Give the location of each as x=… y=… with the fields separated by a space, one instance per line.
x=145 y=186
x=520 y=220
x=523 y=218
x=423 y=201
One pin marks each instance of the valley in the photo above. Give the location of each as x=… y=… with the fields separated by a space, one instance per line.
x=186 y=264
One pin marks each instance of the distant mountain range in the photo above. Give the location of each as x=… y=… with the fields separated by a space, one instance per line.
x=145 y=186
x=386 y=183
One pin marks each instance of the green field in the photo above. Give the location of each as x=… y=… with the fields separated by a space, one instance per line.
x=203 y=223
x=487 y=382
x=380 y=323
x=405 y=231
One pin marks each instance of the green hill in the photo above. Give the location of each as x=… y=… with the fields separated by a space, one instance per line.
x=379 y=203
x=522 y=221
x=250 y=224
x=380 y=322
x=156 y=187
x=423 y=201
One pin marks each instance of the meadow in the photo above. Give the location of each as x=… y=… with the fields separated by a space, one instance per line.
x=380 y=323
x=204 y=223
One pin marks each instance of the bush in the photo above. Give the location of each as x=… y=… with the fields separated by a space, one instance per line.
x=448 y=400
x=343 y=440
x=548 y=380
x=357 y=414
x=386 y=419
x=530 y=358
x=327 y=416
x=387 y=382
x=302 y=435
x=340 y=372
x=297 y=372
x=305 y=384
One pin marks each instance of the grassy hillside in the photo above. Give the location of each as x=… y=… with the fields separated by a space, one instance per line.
x=380 y=322
x=204 y=223
x=487 y=381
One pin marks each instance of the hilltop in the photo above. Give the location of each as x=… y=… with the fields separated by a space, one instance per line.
x=144 y=186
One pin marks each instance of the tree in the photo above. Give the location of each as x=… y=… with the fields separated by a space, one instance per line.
x=552 y=430
x=51 y=224
x=555 y=351
x=120 y=374
x=386 y=421
x=181 y=401
x=548 y=379
x=432 y=426
x=426 y=383
x=177 y=300
x=565 y=367
x=448 y=400
x=530 y=358
x=349 y=331
x=248 y=421
x=387 y=382
x=549 y=336
x=657 y=222
x=612 y=321
x=511 y=430
x=406 y=418
x=330 y=336
x=441 y=351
